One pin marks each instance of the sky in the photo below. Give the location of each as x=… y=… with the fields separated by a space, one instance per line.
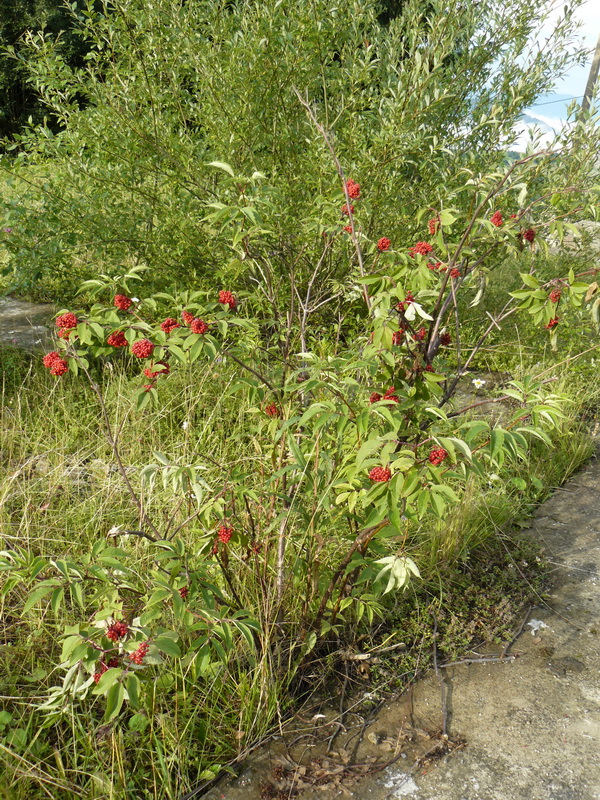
x=550 y=112
x=573 y=84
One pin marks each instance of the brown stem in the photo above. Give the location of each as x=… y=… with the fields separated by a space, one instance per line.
x=362 y=538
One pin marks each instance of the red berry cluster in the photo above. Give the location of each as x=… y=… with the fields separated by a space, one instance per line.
x=138 y=656
x=198 y=326
x=224 y=534
x=374 y=398
x=384 y=243
x=272 y=410
x=347 y=210
x=117 y=630
x=553 y=323
x=401 y=306
x=187 y=317
x=348 y=228
x=169 y=325
x=455 y=273
x=429 y=368
x=68 y=320
x=227 y=298
x=353 y=189
x=437 y=456
x=117 y=339
x=420 y=249
x=122 y=302
x=152 y=373
x=497 y=219
x=391 y=395
x=380 y=474
x=143 y=348
x=57 y=365
x=183 y=592
x=445 y=339
x=555 y=295
x=529 y=234
x=65 y=333
x=421 y=334
x=433 y=225
x=434 y=266
x=397 y=337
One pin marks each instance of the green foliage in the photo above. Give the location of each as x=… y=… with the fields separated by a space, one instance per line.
x=169 y=89
x=19 y=103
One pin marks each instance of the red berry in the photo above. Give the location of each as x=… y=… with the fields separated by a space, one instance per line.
x=113 y=662
x=138 y=656
x=224 y=534
x=397 y=337
x=420 y=249
x=198 y=326
x=421 y=334
x=65 y=333
x=437 y=456
x=122 y=302
x=184 y=591
x=391 y=395
x=347 y=210
x=455 y=272
x=348 y=228
x=429 y=368
x=227 y=298
x=353 y=189
x=529 y=234
x=117 y=339
x=555 y=295
x=445 y=339
x=553 y=323
x=433 y=225
x=374 y=398
x=514 y=216
x=434 y=265
x=49 y=359
x=384 y=243
x=497 y=219
x=143 y=348
x=380 y=474
x=187 y=317
x=272 y=410
x=401 y=306
x=68 y=320
x=117 y=630
x=102 y=668
x=169 y=324
x=59 y=367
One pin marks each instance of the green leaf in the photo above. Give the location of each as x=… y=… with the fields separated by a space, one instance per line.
x=40 y=592
x=222 y=165
x=109 y=679
x=133 y=690
x=114 y=701
x=167 y=646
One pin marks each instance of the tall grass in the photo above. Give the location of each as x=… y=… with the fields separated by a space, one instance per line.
x=59 y=493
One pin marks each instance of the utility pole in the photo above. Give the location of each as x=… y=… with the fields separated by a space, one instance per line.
x=591 y=81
